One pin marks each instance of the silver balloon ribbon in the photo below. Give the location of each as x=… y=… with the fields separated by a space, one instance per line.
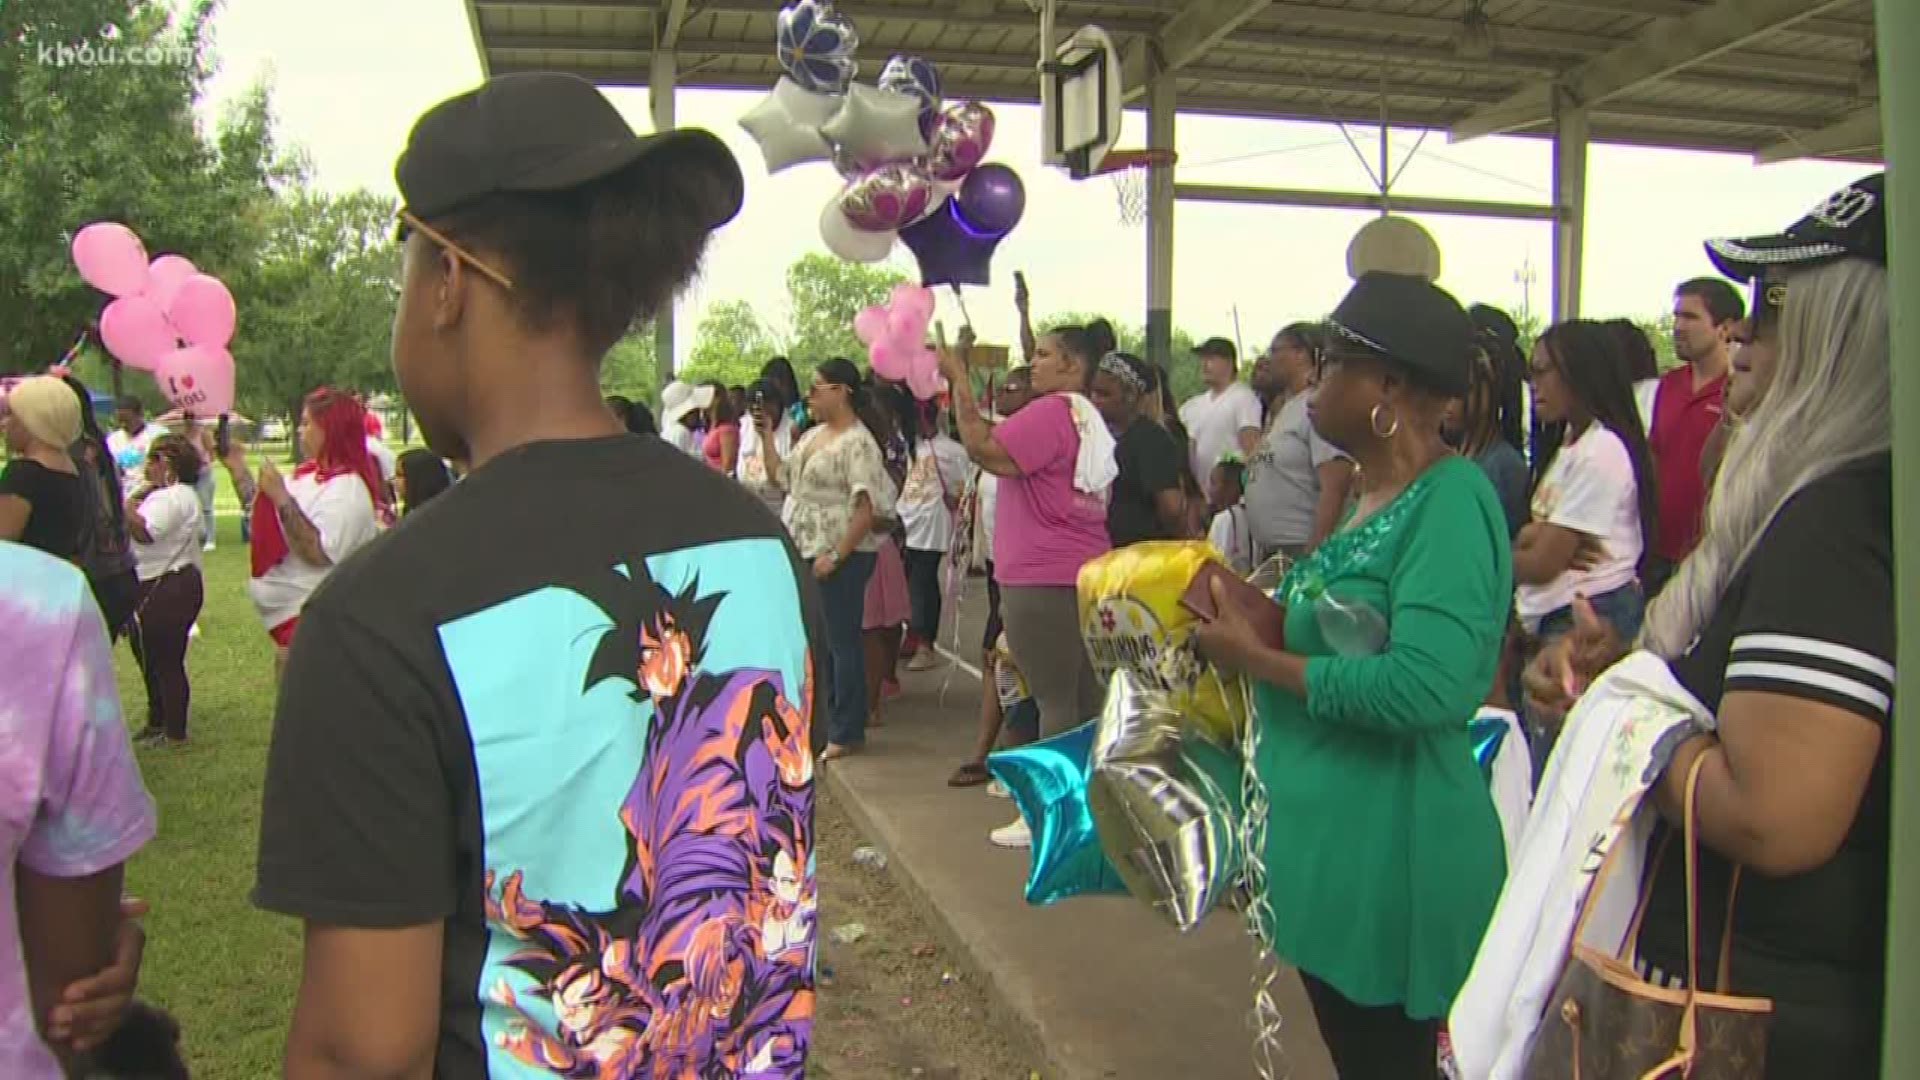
x=1269 y=1057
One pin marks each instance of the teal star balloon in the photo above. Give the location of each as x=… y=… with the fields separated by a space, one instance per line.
x=1048 y=780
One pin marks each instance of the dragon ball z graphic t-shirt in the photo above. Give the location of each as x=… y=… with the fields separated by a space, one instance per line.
x=566 y=711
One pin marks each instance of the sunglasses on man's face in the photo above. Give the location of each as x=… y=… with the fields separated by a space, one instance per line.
x=407 y=224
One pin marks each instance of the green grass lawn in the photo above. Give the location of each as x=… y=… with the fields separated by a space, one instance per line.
x=227 y=971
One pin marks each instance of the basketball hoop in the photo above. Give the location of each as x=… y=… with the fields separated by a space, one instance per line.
x=1130 y=170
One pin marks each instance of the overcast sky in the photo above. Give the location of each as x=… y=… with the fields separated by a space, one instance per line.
x=350 y=76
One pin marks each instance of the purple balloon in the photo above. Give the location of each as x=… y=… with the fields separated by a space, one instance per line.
x=992 y=199
x=950 y=250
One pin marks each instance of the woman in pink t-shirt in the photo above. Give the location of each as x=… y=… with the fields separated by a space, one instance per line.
x=1047 y=525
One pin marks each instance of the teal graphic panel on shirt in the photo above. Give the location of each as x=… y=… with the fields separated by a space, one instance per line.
x=641 y=742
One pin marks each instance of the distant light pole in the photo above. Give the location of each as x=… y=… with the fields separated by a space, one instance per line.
x=1525 y=277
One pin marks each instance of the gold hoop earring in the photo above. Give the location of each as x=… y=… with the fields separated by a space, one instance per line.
x=1373 y=421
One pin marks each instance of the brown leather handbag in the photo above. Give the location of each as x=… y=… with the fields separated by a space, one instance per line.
x=1604 y=1022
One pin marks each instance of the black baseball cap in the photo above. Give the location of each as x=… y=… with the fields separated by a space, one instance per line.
x=1217 y=346
x=1851 y=223
x=544 y=131
x=1412 y=322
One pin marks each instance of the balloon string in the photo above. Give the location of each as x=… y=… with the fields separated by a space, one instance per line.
x=960 y=298
x=1269 y=1058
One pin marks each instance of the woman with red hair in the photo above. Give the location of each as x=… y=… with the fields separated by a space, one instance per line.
x=305 y=526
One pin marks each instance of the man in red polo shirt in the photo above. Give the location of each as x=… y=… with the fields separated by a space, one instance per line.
x=1686 y=409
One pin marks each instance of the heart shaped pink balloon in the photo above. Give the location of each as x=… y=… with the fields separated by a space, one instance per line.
x=136 y=333
x=197 y=379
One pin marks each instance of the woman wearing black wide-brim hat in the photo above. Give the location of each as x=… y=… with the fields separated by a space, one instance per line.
x=1383 y=854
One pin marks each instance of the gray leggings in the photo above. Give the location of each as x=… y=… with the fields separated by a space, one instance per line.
x=1043 y=630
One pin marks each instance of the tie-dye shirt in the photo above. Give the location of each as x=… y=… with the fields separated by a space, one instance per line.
x=72 y=803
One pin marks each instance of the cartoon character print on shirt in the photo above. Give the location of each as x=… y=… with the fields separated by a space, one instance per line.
x=703 y=969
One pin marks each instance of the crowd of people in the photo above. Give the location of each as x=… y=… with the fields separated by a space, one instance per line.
x=1466 y=523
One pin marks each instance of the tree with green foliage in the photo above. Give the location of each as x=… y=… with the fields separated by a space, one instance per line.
x=825 y=294
x=731 y=346
x=629 y=370
x=86 y=142
x=316 y=303
x=1185 y=373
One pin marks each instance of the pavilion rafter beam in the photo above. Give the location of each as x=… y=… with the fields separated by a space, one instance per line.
x=1675 y=9
x=1857 y=132
x=1200 y=25
x=1286 y=19
x=1666 y=46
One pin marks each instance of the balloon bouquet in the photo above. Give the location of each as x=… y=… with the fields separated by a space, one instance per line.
x=914 y=170
x=166 y=317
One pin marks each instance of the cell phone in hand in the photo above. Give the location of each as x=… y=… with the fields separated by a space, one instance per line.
x=222 y=438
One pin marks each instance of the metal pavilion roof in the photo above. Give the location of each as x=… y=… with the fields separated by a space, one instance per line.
x=1776 y=78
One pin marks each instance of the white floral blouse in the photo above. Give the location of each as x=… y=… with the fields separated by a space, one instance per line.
x=827 y=472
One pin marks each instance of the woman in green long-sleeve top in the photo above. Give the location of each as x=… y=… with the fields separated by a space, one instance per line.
x=1383 y=851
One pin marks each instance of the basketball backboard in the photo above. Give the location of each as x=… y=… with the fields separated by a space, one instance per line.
x=1081 y=93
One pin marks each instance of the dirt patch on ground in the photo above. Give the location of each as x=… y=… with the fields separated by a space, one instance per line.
x=895 y=1004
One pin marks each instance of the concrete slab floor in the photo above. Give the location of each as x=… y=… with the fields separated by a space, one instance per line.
x=1108 y=989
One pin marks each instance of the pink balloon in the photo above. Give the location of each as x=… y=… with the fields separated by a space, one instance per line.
x=923 y=375
x=203 y=312
x=111 y=258
x=912 y=307
x=164 y=277
x=888 y=361
x=871 y=325
x=197 y=379
x=136 y=333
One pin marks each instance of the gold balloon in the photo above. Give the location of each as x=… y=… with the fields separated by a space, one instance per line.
x=1132 y=620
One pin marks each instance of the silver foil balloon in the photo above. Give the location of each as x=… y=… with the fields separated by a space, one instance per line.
x=961 y=136
x=1166 y=803
x=890 y=197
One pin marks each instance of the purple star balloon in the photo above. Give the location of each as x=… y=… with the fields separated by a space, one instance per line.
x=950 y=250
x=816 y=46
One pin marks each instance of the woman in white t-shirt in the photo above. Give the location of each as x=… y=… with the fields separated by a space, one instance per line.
x=936 y=481
x=1593 y=497
x=305 y=526
x=166 y=526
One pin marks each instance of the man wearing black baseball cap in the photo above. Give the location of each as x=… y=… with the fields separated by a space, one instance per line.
x=540 y=783
x=1223 y=417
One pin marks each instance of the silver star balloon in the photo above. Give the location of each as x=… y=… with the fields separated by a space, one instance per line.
x=1166 y=803
x=876 y=125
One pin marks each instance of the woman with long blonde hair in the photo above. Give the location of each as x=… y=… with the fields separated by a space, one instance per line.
x=1781 y=621
x=43 y=503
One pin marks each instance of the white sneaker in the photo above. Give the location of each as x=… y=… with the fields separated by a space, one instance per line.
x=1016 y=835
x=209 y=546
x=998 y=790
x=924 y=660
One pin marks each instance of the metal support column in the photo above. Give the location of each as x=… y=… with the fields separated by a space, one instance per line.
x=1899 y=45
x=1162 y=103
x=1570 y=197
x=662 y=83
